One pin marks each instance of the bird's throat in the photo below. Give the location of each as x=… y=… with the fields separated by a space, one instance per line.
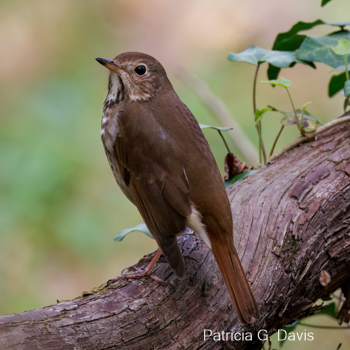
x=116 y=91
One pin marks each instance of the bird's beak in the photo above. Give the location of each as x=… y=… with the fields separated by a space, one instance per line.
x=108 y=64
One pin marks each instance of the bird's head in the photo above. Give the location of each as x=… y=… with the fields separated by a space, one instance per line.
x=134 y=76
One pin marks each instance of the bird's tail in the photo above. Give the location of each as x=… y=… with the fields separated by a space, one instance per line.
x=236 y=282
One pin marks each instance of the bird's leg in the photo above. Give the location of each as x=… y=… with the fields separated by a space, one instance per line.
x=147 y=257
x=137 y=273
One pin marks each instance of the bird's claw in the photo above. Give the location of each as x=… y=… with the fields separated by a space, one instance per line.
x=147 y=257
x=136 y=272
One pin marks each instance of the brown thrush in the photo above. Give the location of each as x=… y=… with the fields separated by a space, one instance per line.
x=163 y=164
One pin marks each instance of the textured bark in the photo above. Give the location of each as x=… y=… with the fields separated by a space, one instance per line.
x=291 y=221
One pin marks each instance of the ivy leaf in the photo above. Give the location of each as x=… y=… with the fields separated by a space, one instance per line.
x=272 y=71
x=219 y=128
x=341 y=25
x=347 y=88
x=342 y=67
x=330 y=310
x=240 y=176
x=304 y=113
x=319 y=49
x=309 y=121
x=260 y=112
x=256 y=55
x=343 y=48
x=346 y=103
x=291 y=41
x=303 y=107
x=279 y=82
x=140 y=227
x=336 y=84
x=324 y=2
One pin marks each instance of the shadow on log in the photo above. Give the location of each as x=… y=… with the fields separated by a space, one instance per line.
x=291 y=221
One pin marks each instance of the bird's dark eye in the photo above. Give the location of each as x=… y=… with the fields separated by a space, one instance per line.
x=140 y=70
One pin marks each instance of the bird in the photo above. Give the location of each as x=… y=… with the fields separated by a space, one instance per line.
x=163 y=164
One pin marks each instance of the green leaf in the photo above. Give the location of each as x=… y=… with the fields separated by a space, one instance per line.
x=343 y=47
x=279 y=82
x=303 y=107
x=336 y=84
x=347 y=88
x=341 y=25
x=260 y=112
x=330 y=310
x=140 y=227
x=309 y=121
x=291 y=41
x=272 y=71
x=346 y=103
x=324 y=2
x=342 y=67
x=303 y=114
x=240 y=176
x=256 y=55
x=221 y=128
x=319 y=49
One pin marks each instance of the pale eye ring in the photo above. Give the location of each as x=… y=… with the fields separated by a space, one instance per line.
x=140 y=70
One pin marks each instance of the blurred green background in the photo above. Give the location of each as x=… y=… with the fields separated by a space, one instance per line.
x=59 y=204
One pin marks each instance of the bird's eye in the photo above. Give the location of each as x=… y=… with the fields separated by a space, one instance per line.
x=140 y=70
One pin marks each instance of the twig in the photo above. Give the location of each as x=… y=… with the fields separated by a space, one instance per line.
x=275 y=143
x=217 y=106
x=258 y=125
x=309 y=136
x=254 y=88
x=223 y=139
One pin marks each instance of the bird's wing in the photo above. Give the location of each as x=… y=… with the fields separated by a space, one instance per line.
x=157 y=182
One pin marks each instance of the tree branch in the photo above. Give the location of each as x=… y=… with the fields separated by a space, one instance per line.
x=310 y=136
x=291 y=221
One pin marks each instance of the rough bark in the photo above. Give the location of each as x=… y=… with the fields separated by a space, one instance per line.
x=291 y=221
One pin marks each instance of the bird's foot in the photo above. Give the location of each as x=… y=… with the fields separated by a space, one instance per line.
x=147 y=257
x=137 y=272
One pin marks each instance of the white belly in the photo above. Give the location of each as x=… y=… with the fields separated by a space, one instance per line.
x=109 y=132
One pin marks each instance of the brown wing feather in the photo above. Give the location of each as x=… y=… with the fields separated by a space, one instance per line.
x=157 y=182
x=162 y=231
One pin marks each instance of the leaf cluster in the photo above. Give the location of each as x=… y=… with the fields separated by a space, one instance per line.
x=291 y=48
